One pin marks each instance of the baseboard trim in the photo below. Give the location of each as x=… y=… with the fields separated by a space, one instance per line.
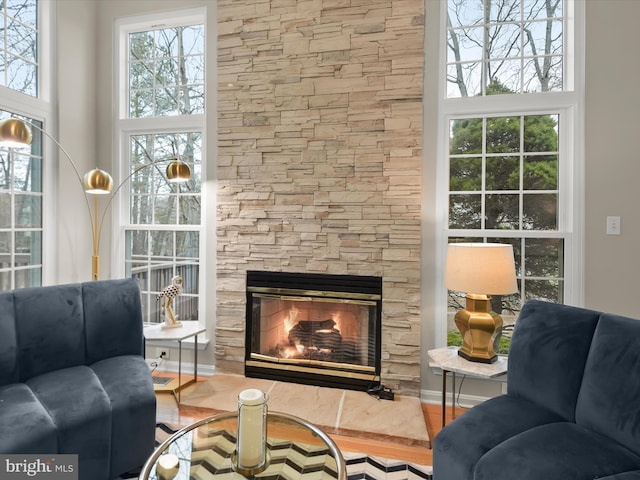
x=434 y=397
x=187 y=368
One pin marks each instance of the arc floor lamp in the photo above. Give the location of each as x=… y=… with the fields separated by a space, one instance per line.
x=15 y=133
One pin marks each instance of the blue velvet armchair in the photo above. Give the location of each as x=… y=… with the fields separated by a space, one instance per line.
x=73 y=379
x=572 y=407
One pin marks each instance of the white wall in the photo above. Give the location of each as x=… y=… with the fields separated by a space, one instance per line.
x=77 y=92
x=612 y=123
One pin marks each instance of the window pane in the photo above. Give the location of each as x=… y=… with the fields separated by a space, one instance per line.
x=464 y=79
x=503 y=10
x=466 y=136
x=540 y=172
x=21 y=41
x=23 y=10
x=504 y=41
x=189 y=210
x=28 y=249
x=541 y=133
x=465 y=173
x=550 y=82
x=503 y=134
x=503 y=173
x=518 y=42
x=29 y=277
x=544 y=257
x=21 y=75
x=543 y=38
x=502 y=212
x=28 y=210
x=5 y=210
x=6 y=248
x=141 y=75
x=540 y=212
x=164 y=209
x=465 y=211
x=19 y=46
x=468 y=46
x=188 y=245
x=162 y=244
x=5 y=280
x=537 y=9
x=506 y=77
x=137 y=243
x=465 y=13
x=27 y=173
x=166 y=72
x=547 y=290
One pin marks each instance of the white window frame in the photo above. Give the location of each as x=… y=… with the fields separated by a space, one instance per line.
x=126 y=127
x=569 y=105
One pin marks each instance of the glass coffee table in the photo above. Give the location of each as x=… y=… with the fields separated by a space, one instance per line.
x=297 y=450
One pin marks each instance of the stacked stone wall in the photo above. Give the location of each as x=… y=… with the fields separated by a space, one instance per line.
x=319 y=158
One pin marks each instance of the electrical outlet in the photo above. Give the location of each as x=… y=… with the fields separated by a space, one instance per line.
x=613 y=225
x=163 y=355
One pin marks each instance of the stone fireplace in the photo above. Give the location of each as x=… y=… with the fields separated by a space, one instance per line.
x=314 y=328
x=319 y=159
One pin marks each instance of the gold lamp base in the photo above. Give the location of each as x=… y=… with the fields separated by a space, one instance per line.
x=480 y=328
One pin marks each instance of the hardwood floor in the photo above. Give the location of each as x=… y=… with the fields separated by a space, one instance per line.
x=168 y=412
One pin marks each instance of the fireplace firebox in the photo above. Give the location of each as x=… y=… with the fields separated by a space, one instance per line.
x=315 y=329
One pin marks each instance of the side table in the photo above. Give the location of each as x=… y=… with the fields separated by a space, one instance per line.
x=178 y=334
x=450 y=362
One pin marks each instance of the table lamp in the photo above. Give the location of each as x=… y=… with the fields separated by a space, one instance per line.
x=480 y=270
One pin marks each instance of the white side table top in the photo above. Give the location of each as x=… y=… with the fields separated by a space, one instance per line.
x=448 y=359
x=185 y=330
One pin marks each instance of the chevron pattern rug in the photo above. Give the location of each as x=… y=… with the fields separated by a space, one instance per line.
x=359 y=466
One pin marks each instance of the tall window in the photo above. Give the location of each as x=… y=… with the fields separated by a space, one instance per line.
x=510 y=150
x=164 y=112
x=21 y=172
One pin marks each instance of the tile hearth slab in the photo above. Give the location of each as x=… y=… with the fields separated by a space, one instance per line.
x=384 y=420
x=343 y=412
x=317 y=405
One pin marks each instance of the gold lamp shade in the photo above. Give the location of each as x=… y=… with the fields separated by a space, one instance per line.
x=480 y=270
x=178 y=172
x=97 y=182
x=14 y=133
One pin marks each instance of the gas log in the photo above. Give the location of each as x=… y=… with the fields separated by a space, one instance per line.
x=320 y=334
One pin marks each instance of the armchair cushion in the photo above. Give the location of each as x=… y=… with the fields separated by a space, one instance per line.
x=548 y=352
x=557 y=451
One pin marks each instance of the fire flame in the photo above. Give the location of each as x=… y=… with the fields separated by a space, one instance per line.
x=335 y=316
x=290 y=320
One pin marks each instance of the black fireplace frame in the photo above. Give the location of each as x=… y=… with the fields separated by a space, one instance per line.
x=319 y=285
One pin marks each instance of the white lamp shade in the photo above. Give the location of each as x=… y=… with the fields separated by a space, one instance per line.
x=481 y=268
